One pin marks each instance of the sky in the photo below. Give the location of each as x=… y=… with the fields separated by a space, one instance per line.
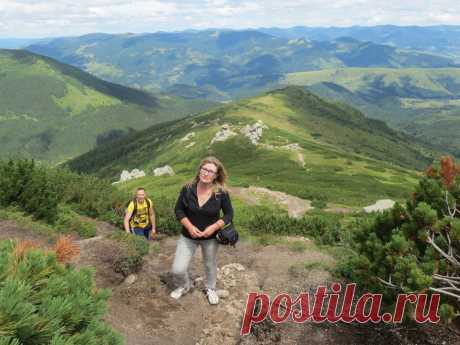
x=51 y=18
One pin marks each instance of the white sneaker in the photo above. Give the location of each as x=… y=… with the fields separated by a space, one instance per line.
x=178 y=293
x=213 y=298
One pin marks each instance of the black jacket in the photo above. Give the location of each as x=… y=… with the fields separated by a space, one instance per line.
x=209 y=213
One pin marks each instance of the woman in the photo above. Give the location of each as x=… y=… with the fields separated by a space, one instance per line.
x=198 y=210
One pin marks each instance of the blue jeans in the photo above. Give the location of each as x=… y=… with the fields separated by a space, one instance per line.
x=143 y=232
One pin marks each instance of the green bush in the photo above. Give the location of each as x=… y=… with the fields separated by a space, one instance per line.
x=43 y=302
x=134 y=248
x=39 y=190
x=69 y=221
x=417 y=246
x=326 y=230
x=319 y=203
x=165 y=215
x=30 y=187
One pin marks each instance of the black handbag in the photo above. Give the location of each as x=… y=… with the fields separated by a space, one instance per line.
x=227 y=235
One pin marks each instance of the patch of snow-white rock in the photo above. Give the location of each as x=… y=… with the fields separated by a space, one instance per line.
x=254 y=132
x=163 y=171
x=379 y=206
x=292 y=147
x=126 y=175
x=223 y=134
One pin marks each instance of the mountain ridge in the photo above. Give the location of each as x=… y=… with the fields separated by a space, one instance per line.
x=50 y=111
x=305 y=146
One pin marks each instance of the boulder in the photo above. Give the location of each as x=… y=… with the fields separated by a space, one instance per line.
x=126 y=175
x=131 y=279
x=254 y=132
x=164 y=171
x=223 y=134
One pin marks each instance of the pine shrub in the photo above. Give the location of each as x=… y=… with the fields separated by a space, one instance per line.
x=44 y=302
x=416 y=248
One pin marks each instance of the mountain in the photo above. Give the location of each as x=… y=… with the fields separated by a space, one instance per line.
x=423 y=102
x=307 y=146
x=52 y=111
x=17 y=43
x=438 y=39
x=231 y=63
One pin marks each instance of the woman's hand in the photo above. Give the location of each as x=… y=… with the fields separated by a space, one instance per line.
x=194 y=232
x=210 y=230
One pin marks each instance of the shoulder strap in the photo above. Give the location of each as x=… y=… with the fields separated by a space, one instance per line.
x=134 y=201
x=147 y=200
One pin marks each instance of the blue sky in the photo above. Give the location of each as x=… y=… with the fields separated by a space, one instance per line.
x=40 y=18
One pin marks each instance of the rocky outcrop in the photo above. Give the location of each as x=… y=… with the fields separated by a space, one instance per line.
x=188 y=137
x=126 y=175
x=379 y=206
x=164 y=171
x=292 y=147
x=254 y=132
x=223 y=134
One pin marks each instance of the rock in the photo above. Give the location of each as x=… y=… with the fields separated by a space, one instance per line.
x=188 y=137
x=126 y=175
x=234 y=266
x=292 y=147
x=162 y=171
x=130 y=279
x=223 y=293
x=254 y=132
x=379 y=206
x=223 y=134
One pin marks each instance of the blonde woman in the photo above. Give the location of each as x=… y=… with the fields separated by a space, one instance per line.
x=198 y=209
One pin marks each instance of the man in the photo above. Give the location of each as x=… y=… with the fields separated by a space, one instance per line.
x=139 y=216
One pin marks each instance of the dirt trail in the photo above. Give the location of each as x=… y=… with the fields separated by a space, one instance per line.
x=296 y=207
x=145 y=314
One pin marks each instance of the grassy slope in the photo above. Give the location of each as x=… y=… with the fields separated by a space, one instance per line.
x=337 y=142
x=54 y=112
x=424 y=102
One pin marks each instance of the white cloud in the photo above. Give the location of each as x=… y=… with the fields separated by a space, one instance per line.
x=38 y=18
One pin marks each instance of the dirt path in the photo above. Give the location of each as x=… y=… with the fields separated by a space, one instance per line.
x=295 y=206
x=11 y=230
x=145 y=314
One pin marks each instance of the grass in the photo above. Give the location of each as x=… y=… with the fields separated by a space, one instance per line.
x=423 y=102
x=76 y=100
x=27 y=221
x=68 y=222
x=356 y=79
x=352 y=162
x=53 y=112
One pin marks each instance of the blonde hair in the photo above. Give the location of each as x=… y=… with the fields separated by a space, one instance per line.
x=221 y=174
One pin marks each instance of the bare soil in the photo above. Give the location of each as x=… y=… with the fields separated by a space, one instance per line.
x=145 y=314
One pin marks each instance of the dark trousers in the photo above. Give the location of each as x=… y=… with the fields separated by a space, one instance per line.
x=146 y=232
